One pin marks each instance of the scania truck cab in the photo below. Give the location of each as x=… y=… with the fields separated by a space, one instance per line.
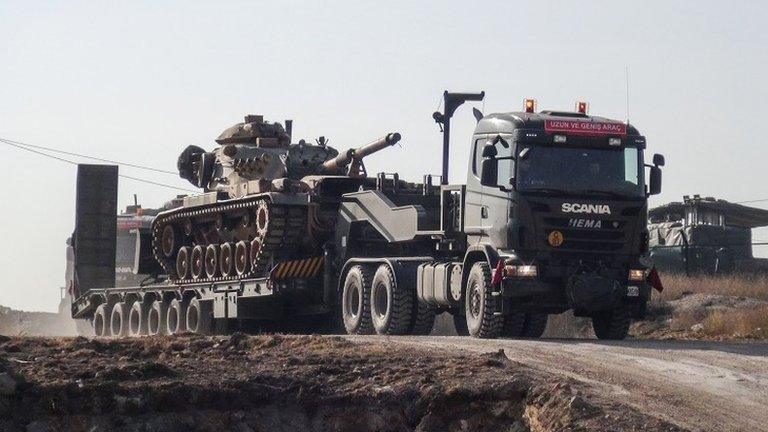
x=561 y=198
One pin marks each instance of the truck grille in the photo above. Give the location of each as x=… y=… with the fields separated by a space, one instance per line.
x=610 y=236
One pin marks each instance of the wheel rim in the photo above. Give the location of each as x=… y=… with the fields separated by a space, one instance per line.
x=242 y=259
x=262 y=219
x=474 y=300
x=98 y=324
x=182 y=263
x=255 y=247
x=173 y=320
x=197 y=262
x=116 y=322
x=192 y=318
x=380 y=300
x=212 y=260
x=353 y=301
x=153 y=321
x=226 y=259
x=134 y=322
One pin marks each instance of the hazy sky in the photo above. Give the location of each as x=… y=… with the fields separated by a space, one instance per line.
x=138 y=82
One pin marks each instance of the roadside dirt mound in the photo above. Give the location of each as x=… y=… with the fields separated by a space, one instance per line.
x=20 y=323
x=284 y=383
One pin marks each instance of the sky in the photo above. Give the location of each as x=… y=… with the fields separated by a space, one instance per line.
x=139 y=81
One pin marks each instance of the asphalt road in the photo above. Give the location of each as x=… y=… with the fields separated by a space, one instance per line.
x=702 y=386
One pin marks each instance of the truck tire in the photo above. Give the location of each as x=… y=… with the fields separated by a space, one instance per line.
x=423 y=318
x=200 y=316
x=612 y=325
x=356 y=300
x=118 y=320
x=514 y=324
x=101 y=321
x=156 y=318
x=535 y=324
x=480 y=304
x=137 y=319
x=176 y=322
x=391 y=303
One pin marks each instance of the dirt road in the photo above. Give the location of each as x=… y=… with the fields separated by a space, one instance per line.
x=703 y=386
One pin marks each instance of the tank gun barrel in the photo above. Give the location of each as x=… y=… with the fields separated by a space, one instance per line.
x=355 y=156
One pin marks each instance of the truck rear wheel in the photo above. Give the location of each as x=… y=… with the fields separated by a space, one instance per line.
x=200 y=316
x=176 y=318
x=460 y=322
x=391 y=303
x=118 y=320
x=356 y=301
x=535 y=324
x=137 y=319
x=156 y=316
x=100 y=321
x=612 y=325
x=480 y=304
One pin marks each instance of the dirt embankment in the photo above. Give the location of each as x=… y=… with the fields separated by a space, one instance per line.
x=282 y=383
x=21 y=323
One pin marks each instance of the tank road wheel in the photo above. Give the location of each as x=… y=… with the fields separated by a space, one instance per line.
x=118 y=320
x=262 y=218
x=156 y=316
x=514 y=323
x=612 y=324
x=197 y=262
x=168 y=241
x=137 y=319
x=176 y=321
x=101 y=321
x=183 y=261
x=227 y=260
x=242 y=258
x=212 y=260
x=535 y=324
x=200 y=316
x=356 y=301
x=391 y=304
x=423 y=319
x=480 y=304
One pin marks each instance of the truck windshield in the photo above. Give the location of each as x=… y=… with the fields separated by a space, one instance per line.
x=580 y=170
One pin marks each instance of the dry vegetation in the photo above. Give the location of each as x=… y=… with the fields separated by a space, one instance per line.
x=733 y=307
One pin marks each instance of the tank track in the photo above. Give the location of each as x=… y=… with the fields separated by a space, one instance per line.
x=283 y=234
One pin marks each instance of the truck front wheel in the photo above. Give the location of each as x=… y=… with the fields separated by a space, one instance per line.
x=356 y=301
x=480 y=304
x=611 y=325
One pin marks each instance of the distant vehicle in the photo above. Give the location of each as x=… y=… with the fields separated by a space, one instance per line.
x=552 y=218
x=705 y=236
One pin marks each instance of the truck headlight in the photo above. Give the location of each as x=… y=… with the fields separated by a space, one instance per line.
x=525 y=271
x=636 y=275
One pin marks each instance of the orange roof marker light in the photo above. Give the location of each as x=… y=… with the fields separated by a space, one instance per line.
x=582 y=107
x=530 y=105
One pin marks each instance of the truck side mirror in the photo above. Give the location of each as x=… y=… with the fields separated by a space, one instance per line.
x=654 y=185
x=658 y=160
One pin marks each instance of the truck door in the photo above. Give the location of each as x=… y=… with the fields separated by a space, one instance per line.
x=487 y=208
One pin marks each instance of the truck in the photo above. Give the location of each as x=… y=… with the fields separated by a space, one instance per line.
x=552 y=218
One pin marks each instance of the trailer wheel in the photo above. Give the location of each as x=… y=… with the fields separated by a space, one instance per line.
x=514 y=324
x=200 y=316
x=118 y=320
x=100 y=321
x=535 y=324
x=356 y=301
x=480 y=303
x=176 y=322
x=156 y=318
x=391 y=303
x=137 y=319
x=612 y=325
x=423 y=318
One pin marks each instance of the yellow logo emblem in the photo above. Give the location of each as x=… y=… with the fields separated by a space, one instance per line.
x=555 y=238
